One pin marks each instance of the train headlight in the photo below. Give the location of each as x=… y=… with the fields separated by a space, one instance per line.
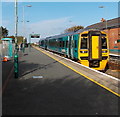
x=83 y=51
x=104 y=51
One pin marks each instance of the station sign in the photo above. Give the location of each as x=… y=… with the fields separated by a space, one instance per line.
x=35 y=35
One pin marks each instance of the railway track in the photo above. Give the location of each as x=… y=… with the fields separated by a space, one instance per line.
x=114 y=62
x=114 y=66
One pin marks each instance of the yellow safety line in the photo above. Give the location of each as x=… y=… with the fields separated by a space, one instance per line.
x=80 y=73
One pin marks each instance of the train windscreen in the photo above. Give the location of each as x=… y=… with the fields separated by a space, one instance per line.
x=104 y=43
x=83 y=43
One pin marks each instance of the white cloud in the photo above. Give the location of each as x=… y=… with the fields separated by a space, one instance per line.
x=14 y=0
x=48 y=27
x=44 y=28
x=61 y=0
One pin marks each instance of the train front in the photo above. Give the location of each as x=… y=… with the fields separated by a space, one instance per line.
x=93 y=49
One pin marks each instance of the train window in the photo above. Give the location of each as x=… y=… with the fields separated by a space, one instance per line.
x=42 y=42
x=60 y=42
x=83 y=43
x=63 y=44
x=104 y=43
x=66 y=44
x=75 y=43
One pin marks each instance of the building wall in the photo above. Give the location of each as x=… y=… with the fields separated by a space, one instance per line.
x=114 y=39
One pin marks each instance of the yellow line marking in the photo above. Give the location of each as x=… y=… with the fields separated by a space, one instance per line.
x=80 y=73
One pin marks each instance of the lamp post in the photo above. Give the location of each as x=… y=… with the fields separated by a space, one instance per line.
x=105 y=13
x=16 y=68
x=24 y=26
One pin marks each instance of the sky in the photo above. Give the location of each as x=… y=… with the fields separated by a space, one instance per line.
x=52 y=18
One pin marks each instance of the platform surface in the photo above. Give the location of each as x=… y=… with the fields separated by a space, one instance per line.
x=58 y=91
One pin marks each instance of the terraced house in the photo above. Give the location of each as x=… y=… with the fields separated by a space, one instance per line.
x=112 y=27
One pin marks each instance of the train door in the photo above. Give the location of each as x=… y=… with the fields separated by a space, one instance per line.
x=70 y=46
x=95 y=47
x=75 y=49
x=95 y=54
x=45 y=44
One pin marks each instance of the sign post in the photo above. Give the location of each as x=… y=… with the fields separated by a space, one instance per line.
x=32 y=36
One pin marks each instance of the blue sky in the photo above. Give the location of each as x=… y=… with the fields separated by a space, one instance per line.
x=50 y=18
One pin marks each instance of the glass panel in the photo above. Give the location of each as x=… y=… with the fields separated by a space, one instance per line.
x=104 y=43
x=83 y=43
x=75 y=43
x=66 y=44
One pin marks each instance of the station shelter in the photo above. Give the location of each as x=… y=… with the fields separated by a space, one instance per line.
x=7 y=48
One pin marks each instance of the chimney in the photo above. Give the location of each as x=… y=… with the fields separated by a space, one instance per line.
x=103 y=20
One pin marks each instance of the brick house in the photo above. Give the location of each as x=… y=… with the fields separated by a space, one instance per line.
x=112 y=28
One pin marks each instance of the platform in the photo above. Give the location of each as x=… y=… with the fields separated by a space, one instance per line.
x=62 y=90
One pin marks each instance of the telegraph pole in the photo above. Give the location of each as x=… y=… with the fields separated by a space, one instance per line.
x=23 y=48
x=24 y=26
x=105 y=14
x=16 y=68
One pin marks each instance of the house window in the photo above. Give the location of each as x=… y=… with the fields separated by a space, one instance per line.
x=118 y=41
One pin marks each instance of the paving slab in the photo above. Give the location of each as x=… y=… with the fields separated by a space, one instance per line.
x=106 y=81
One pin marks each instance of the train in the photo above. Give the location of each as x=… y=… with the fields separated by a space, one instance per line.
x=88 y=47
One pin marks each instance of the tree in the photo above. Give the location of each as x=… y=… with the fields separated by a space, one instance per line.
x=74 y=29
x=19 y=39
x=3 y=32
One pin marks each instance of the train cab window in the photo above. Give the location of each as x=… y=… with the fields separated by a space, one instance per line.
x=103 y=35
x=104 y=43
x=84 y=35
x=83 y=43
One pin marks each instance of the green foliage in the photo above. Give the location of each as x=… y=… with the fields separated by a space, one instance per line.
x=19 y=39
x=74 y=28
x=3 y=32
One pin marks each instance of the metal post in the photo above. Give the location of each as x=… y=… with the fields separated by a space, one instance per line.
x=16 y=68
x=29 y=42
x=24 y=29
x=105 y=15
x=23 y=47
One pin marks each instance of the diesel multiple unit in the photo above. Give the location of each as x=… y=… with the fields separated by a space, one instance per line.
x=88 y=47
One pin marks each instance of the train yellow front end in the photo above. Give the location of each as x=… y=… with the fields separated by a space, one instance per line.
x=93 y=49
